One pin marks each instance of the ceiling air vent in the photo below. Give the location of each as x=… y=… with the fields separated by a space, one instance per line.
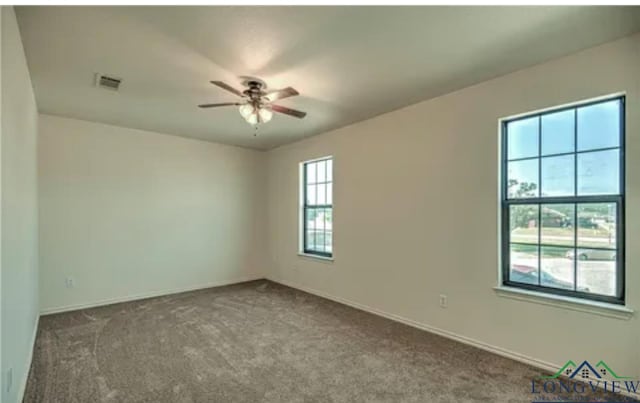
x=107 y=82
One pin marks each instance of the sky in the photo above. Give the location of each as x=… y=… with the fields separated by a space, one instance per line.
x=541 y=138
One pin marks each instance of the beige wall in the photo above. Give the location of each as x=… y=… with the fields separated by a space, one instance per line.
x=19 y=222
x=129 y=213
x=416 y=213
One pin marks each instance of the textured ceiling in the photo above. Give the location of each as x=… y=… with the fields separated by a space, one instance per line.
x=349 y=63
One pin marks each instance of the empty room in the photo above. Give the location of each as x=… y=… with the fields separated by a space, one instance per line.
x=319 y=203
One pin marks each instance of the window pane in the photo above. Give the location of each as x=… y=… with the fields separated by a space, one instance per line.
x=558 y=132
x=523 y=222
x=329 y=241
x=556 y=267
x=524 y=264
x=327 y=217
x=328 y=225
x=523 y=138
x=311 y=194
x=330 y=170
x=329 y=193
x=585 y=254
x=322 y=171
x=311 y=218
x=598 y=173
x=311 y=236
x=599 y=125
x=523 y=179
x=598 y=276
x=557 y=224
x=597 y=226
x=321 y=194
x=311 y=172
x=558 y=176
x=320 y=236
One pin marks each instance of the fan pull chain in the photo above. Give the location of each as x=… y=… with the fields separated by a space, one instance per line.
x=255 y=131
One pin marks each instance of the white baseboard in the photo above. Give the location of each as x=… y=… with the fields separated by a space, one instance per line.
x=25 y=376
x=151 y=294
x=525 y=359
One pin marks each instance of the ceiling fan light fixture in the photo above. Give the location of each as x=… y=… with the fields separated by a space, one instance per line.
x=246 y=110
x=265 y=115
x=257 y=104
x=252 y=119
x=255 y=114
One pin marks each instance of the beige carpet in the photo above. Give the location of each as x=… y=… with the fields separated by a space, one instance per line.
x=259 y=342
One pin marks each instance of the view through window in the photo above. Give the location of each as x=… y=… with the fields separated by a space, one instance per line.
x=318 y=207
x=563 y=201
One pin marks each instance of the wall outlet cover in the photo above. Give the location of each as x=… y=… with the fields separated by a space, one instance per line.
x=443 y=301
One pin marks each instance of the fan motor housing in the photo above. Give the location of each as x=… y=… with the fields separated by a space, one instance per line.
x=255 y=87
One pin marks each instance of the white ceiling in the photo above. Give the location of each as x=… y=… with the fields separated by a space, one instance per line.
x=348 y=63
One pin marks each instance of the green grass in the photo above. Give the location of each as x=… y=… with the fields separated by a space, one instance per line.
x=546 y=252
x=592 y=232
x=589 y=238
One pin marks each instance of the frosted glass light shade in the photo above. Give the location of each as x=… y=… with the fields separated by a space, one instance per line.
x=265 y=115
x=254 y=115
x=252 y=119
x=246 y=110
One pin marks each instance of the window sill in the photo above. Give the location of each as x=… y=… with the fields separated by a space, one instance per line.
x=574 y=304
x=318 y=257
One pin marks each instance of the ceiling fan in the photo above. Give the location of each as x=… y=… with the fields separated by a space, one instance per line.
x=257 y=104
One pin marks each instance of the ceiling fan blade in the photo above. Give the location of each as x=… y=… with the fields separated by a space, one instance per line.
x=227 y=87
x=280 y=94
x=216 y=105
x=288 y=111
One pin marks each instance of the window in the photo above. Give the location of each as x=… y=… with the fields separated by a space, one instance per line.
x=317 y=207
x=563 y=201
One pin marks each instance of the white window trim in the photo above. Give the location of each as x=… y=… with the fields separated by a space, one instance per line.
x=574 y=304
x=318 y=257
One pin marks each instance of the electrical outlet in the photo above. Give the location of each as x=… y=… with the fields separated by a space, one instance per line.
x=9 y=379
x=70 y=282
x=443 y=301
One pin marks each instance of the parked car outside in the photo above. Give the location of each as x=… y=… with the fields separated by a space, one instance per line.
x=529 y=275
x=593 y=254
x=587 y=222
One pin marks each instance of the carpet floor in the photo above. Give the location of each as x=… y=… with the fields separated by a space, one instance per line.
x=260 y=342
